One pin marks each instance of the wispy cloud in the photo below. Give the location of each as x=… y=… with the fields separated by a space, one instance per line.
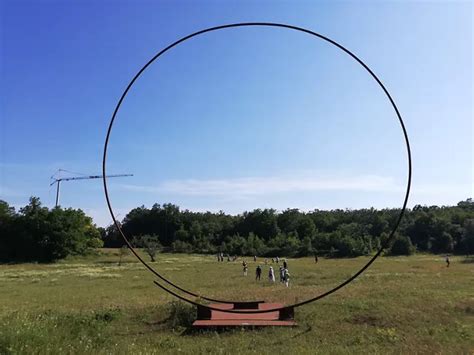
x=253 y=186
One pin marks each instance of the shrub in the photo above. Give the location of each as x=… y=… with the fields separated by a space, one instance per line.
x=181 y=315
x=182 y=247
x=402 y=246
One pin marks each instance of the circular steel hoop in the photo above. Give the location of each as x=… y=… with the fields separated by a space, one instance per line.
x=258 y=24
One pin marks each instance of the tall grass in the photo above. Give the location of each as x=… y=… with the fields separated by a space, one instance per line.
x=91 y=305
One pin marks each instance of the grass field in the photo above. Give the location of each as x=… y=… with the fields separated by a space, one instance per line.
x=92 y=305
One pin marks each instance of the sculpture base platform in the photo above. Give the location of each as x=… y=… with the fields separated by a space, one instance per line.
x=207 y=318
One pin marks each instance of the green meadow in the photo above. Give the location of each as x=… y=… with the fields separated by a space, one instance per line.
x=93 y=305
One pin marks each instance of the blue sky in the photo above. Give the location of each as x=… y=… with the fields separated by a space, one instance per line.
x=241 y=118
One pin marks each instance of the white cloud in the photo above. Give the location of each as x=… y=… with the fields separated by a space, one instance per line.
x=235 y=195
x=254 y=186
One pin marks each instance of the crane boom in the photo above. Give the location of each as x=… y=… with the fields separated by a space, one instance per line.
x=87 y=177
x=58 y=181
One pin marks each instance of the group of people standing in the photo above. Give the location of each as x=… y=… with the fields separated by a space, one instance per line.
x=284 y=273
x=220 y=257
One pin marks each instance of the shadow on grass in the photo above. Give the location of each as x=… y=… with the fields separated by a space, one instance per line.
x=308 y=329
x=20 y=262
x=108 y=262
x=220 y=330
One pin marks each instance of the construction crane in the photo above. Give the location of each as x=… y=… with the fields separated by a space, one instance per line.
x=87 y=177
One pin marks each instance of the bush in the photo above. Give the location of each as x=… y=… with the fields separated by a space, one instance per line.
x=402 y=246
x=181 y=315
x=95 y=243
x=182 y=247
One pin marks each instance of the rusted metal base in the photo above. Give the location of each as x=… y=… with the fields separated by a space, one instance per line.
x=207 y=318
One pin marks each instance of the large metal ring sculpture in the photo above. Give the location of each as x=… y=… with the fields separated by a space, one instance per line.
x=318 y=297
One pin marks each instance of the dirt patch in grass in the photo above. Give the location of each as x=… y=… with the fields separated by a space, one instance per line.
x=466 y=307
x=370 y=320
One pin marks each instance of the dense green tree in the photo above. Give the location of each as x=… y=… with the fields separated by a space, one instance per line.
x=444 y=243
x=468 y=237
x=402 y=246
x=183 y=235
x=254 y=245
x=306 y=247
x=39 y=234
x=288 y=220
x=195 y=231
x=112 y=238
x=305 y=227
x=7 y=224
x=467 y=205
x=261 y=222
x=422 y=231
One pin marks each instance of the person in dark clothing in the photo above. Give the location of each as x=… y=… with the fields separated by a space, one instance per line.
x=258 y=273
x=315 y=258
x=285 y=265
x=447 y=261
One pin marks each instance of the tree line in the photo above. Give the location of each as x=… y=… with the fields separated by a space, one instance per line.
x=36 y=233
x=266 y=232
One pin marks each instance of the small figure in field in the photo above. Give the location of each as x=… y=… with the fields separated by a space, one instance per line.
x=286 y=277
x=246 y=268
x=281 y=274
x=447 y=261
x=273 y=260
x=228 y=257
x=278 y=259
x=266 y=261
x=258 y=273
x=222 y=257
x=285 y=265
x=271 y=275
x=255 y=258
x=315 y=258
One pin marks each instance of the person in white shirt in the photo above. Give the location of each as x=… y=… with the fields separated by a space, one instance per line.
x=286 y=277
x=271 y=275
